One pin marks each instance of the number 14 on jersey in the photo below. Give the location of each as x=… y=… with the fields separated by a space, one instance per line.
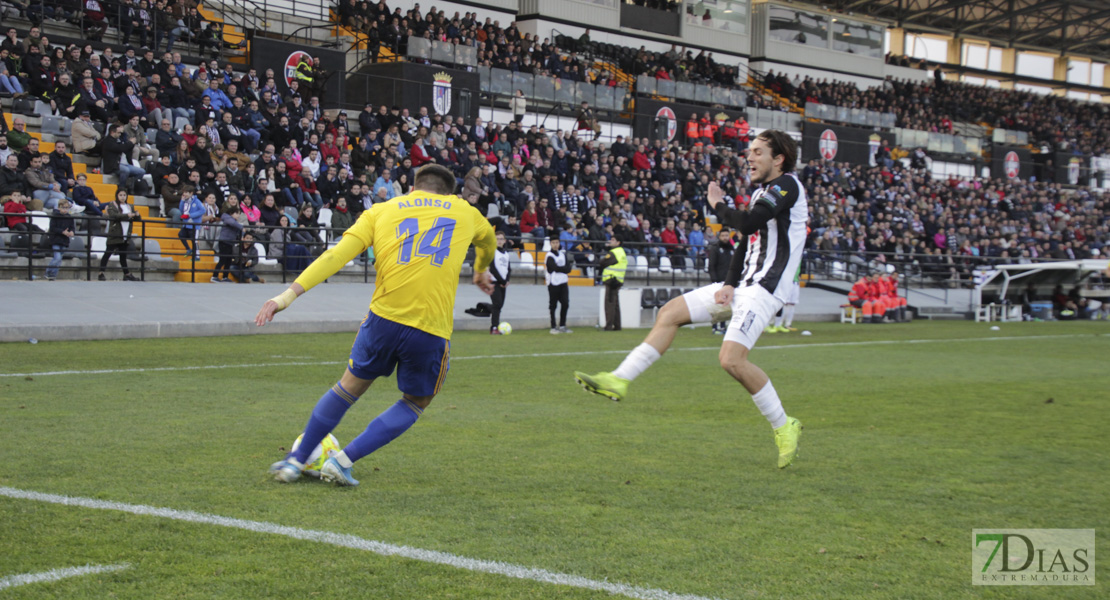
x=434 y=242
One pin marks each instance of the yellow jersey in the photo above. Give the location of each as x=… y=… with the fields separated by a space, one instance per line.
x=419 y=240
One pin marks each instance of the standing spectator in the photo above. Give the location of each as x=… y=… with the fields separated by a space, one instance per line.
x=41 y=79
x=118 y=211
x=614 y=266
x=557 y=266
x=500 y=270
x=720 y=256
x=61 y=231
x=519 y=105
x=225 y=244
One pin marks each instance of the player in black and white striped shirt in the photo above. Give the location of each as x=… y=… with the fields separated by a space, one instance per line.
x=774 y=231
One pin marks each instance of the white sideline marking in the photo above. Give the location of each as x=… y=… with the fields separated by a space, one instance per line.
x=552 y=354
x=56 y=574
x=357 y=543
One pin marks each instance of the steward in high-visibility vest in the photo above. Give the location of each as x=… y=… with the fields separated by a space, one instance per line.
x=303 y=72
x=692 y=131
x=614 y=266
x=708 y=128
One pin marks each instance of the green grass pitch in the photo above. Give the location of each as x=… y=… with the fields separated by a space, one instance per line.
x=914 y=435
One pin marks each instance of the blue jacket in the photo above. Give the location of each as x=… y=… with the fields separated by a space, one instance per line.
x=192 y=209
x=382 y=183
x=220 y=101
x=696 y=239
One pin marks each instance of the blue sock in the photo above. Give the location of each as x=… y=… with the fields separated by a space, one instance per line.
x=384 y=429
x=328 y=413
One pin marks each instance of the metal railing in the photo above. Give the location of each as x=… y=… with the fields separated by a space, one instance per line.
x=941 y=269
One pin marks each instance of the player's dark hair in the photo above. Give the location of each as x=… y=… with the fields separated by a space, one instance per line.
x=781 y=145
x=435 y=179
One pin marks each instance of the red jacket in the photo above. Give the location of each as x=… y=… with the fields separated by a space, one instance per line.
x=859 y=290
x=670 y=237
x=419 y=156
x=15 y=207
x=527 y=221
x=640 y=162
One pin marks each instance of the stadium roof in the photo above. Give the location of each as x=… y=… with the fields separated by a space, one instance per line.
x=1068 y=26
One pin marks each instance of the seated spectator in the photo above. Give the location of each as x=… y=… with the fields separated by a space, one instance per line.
x=116 y=151
x=246 y=260
x=341 y=218
x=84 y=196
x=135 y=134
x=59 y=163
x=12 y=180
x=18 y=138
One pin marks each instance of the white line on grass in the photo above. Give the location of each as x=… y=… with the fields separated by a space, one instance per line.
x=551 y=354
x=357 y=543
x=56 y=574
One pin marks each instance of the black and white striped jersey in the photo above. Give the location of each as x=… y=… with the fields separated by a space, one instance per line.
x=775 y=250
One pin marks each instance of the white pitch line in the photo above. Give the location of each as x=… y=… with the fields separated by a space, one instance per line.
x=552 y=354
x=56 y=574
x=357 y=543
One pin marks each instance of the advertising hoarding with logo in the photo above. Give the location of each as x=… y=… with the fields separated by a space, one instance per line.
x=854 y=145
x=442 y=90
x=283 y=58
x=1011 y=162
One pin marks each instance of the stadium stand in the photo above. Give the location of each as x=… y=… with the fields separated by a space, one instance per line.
x=231 y=133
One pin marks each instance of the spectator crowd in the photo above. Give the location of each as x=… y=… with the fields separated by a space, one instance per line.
x=230 y=152
x=1054 y=122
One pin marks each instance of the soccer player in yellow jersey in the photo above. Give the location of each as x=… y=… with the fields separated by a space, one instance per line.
x=420 y=240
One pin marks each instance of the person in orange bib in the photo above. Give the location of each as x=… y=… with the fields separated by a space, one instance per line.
x=859 y=298
x=897 y=304
x=707 y=128
x=878 y=301
x=693 y=133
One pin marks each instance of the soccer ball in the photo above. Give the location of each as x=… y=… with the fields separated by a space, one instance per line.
x=505 y=328
x=319 y=455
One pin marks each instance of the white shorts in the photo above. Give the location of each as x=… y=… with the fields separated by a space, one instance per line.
x=752 y=309
x=702 y=307
x=792 y=293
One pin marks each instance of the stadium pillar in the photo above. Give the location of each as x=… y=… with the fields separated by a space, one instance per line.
x=1009 y=65
x=897 y=41
x=955 y=50
x=1060 y=73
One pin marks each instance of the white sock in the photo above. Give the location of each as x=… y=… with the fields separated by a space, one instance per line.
x=778 y=319
x=637 y=361
x=788 y=314
x=341 y=458
x=768 y=403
